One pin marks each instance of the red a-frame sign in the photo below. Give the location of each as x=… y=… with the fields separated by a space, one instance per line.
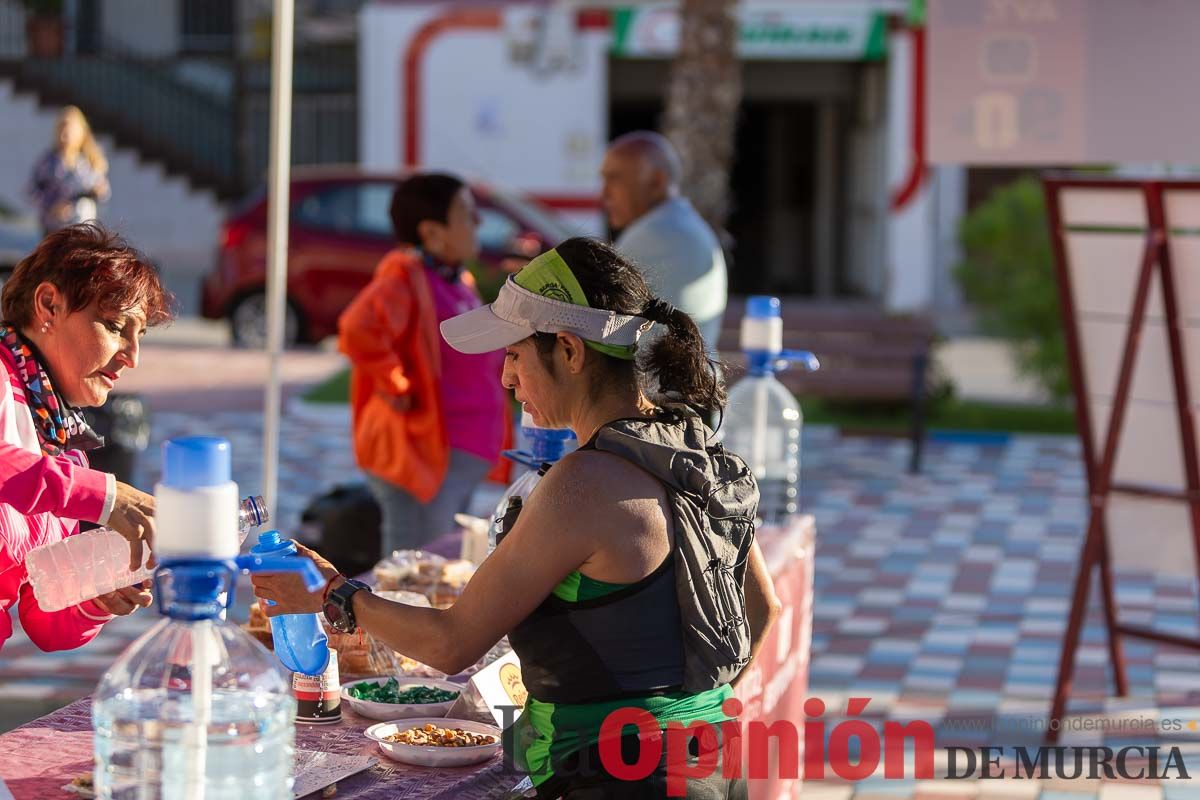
x=1127 y=255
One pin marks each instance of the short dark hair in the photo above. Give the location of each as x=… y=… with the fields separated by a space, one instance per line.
x=87 y=263
x=420 y=197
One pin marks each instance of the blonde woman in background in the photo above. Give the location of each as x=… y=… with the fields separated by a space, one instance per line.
x=72 y=177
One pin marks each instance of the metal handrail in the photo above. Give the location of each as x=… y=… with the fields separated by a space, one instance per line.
x=215 y=138
x=163 y=117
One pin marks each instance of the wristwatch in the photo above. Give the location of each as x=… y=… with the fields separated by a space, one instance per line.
x=337 y=608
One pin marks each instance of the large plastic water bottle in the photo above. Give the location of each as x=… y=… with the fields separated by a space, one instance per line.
x=546 y=446
x=300 y=639
x=196 y=708
x=96 y=562
x=762 y=419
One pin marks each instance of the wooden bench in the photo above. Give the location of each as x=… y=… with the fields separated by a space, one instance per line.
x=865 y=353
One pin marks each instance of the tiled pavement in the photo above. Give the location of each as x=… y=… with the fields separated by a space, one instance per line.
x=941 y=597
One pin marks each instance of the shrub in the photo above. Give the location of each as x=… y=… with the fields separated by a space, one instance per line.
x=1007 y=273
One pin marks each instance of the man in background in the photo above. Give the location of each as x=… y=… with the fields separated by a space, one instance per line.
x=661 y=232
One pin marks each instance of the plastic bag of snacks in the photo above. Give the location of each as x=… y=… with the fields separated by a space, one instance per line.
x=403 y=665
x=439 y=579
x=400 y=664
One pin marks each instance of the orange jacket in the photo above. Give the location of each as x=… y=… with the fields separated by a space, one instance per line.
x=390 y=334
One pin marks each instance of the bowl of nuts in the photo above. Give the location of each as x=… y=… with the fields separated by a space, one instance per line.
x=436 y=741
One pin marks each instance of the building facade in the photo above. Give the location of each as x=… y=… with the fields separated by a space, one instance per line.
x=832 y=197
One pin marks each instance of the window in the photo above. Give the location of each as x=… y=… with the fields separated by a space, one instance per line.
x=348 y=208
x=206 y=26
x=496 y=230
x=374 y=210
x=551 y=226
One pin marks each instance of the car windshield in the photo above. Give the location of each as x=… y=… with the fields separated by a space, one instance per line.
x=541 y=218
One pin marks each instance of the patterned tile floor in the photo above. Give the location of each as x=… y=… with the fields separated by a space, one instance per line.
x=941 y=597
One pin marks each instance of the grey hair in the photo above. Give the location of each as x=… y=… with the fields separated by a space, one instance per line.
x=656 y=149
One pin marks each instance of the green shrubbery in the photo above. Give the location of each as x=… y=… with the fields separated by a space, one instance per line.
x=1008 y=275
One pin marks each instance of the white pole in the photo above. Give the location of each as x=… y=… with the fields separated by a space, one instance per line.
x=279 y=178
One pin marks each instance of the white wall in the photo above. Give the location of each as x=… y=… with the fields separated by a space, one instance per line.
x=867 y=201
x=910 y=252
x=485 y=113
x=174 y=224
x=382 y=33
x=922 y=237
x=950 y=203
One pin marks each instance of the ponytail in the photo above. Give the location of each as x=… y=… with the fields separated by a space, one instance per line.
x=678 y=360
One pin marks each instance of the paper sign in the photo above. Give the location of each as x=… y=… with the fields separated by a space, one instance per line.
x=315 y=770
x=493 y=691
x=1062 y=81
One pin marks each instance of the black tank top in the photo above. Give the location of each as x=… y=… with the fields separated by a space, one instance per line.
x=626 y=643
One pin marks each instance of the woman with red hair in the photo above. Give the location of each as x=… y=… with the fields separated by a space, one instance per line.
x=74 y=313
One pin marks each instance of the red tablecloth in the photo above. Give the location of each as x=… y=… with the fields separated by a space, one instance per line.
x=38 y=758
x=776 y=685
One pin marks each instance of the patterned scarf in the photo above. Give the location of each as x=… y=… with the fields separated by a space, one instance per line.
x=446 y=272
x=59 y=426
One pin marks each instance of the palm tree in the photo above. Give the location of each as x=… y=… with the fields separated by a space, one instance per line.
x=703 y=96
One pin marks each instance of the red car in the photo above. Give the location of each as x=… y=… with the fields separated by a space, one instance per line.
x=339 y=231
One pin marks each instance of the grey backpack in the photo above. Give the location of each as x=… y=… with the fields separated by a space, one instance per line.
x=713 y=498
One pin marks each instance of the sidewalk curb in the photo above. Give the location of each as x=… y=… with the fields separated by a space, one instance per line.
x=324 y=413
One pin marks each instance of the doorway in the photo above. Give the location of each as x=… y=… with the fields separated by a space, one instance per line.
x=773 y=189
x=790 y=172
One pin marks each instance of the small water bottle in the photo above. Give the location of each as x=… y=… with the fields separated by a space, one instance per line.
x=89 y=564
x=546 y=446
x=762 y=419
x=300 y=639
x=196 y=708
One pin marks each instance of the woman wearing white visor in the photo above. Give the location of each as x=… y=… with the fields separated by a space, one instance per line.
x=629 y=578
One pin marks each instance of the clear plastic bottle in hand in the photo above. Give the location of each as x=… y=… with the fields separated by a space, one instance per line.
x=96 y=562
x=546 y=446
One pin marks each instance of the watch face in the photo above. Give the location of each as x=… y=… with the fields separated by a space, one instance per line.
x=334 y=616
x=337 y=606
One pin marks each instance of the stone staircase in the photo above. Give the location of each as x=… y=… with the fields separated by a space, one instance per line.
x=163 y=214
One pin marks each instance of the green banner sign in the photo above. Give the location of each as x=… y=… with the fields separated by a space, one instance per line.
x=916 y=12
x=784 y=31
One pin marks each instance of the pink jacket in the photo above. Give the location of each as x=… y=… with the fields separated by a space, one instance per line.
x=41 y=497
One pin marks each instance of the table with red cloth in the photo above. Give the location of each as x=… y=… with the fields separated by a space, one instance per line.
x=776 y=685
x=38 y=758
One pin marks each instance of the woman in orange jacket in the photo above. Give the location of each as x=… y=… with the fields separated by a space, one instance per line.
x=428 y=421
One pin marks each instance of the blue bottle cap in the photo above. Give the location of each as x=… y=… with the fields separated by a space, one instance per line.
x=760 y=306
x=273 y=543
x=269 y=540
x=191 y=589
x=548 y=434
x=194 y=462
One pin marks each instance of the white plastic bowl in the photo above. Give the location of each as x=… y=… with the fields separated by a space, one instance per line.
x=431 y=755
x=389 y=711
